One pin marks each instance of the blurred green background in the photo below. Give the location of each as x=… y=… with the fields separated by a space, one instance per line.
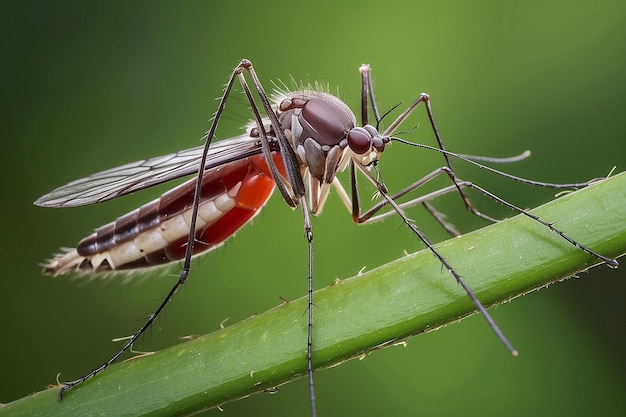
x=88 y=86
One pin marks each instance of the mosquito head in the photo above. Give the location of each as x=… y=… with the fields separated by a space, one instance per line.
x=366 y=144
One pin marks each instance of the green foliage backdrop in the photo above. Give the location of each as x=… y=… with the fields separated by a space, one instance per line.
x=88 y=86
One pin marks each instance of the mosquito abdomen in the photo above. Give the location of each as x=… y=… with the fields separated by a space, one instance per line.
x=156 y=234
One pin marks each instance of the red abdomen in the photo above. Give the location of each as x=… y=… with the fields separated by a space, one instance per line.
x=157 y=232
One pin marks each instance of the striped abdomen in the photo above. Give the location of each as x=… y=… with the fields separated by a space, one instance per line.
x=156 y=233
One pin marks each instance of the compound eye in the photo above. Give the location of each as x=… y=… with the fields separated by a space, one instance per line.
x=359 y=140
x=378 y=144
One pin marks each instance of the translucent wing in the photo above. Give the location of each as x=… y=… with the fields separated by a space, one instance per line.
x=138 y=175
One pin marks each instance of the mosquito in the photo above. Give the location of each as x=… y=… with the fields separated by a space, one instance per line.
x=297 y=143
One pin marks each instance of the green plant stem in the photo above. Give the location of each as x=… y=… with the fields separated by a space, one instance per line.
x=355 y=316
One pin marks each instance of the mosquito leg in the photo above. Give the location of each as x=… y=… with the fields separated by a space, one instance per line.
x=441 y=146
x=423 y=98
x=451 y=270
x=371 y=214
x=459 y=184
x=286 y=192
x=198 y=189
x=293 y=192
x=367 y=89
x=296 y=185
x=609 y=261
x=292 y=165
x=70 y=384
x=188 y=251
x=389 y=199
x=441 y=219
x=309 y=350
